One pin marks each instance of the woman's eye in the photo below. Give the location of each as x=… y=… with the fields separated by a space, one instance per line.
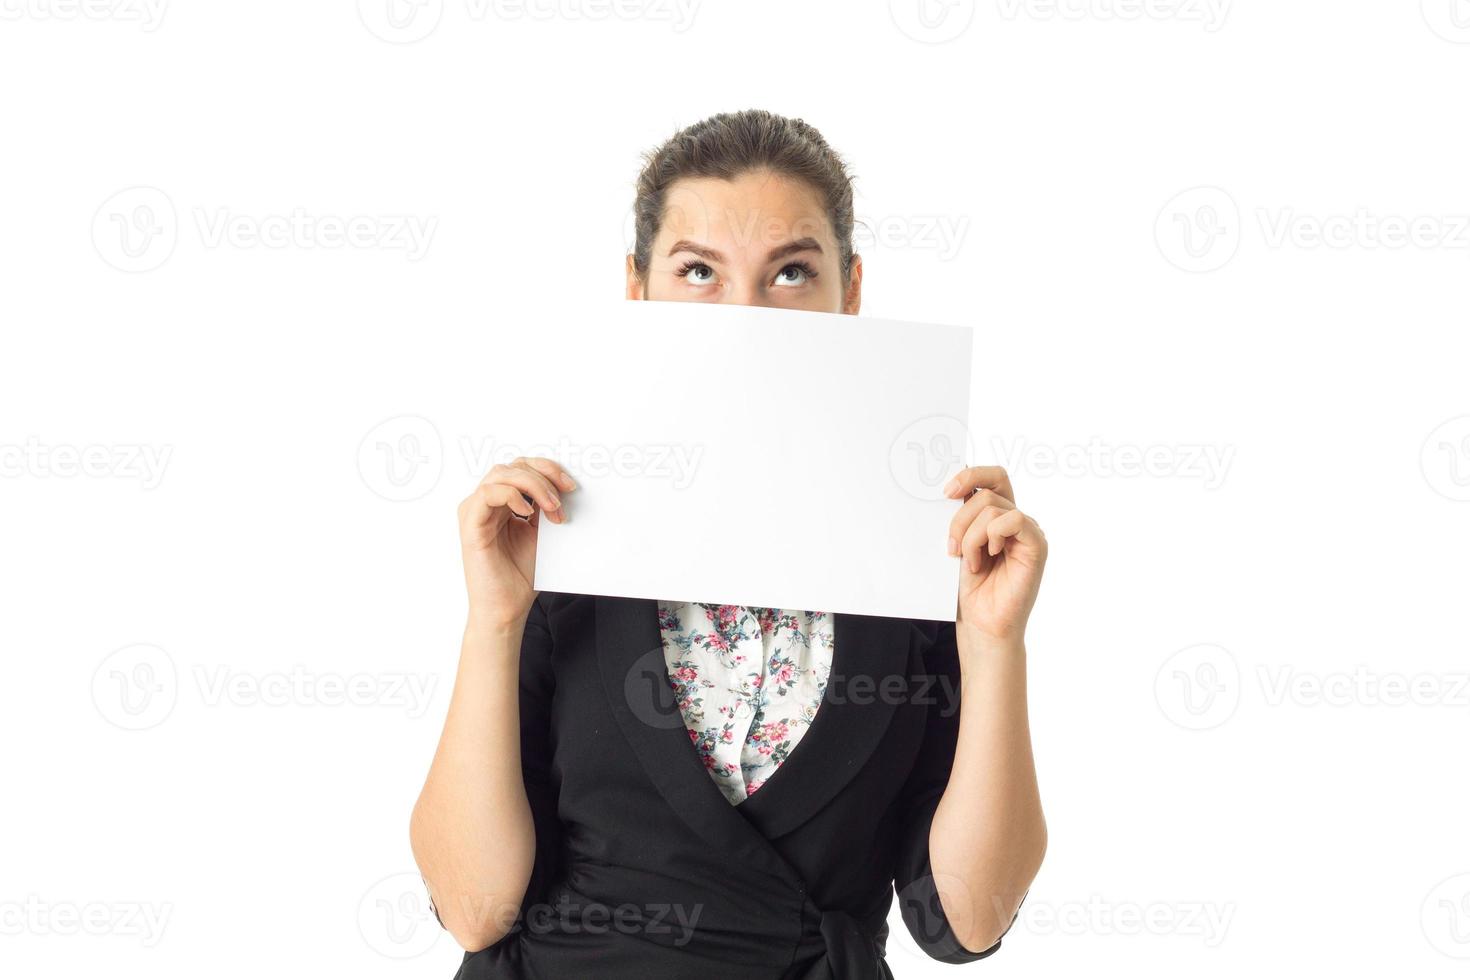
x=792 y=275
x=699 y=274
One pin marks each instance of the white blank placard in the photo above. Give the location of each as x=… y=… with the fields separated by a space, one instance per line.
x=755 y=456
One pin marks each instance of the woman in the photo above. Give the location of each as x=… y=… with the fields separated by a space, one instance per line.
x=815 y=762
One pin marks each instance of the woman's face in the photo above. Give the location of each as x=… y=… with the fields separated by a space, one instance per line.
x=758 y=240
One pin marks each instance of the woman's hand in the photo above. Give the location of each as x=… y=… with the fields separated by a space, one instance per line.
x=1002 y=554
x=497 y=535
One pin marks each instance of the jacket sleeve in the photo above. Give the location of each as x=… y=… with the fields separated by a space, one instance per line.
x=542 y=785
x=914 y=878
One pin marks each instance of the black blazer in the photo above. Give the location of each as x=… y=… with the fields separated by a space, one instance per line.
x=643 y=868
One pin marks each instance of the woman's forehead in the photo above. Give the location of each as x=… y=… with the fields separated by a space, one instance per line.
x=753 y=211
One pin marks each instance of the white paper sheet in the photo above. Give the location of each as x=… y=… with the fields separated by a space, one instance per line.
x=754 y=456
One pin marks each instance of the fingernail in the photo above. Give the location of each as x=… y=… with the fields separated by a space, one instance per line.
x=555 y=501
x=951 y=486
x=974 y=566
x=954 y=546
x=571 y=484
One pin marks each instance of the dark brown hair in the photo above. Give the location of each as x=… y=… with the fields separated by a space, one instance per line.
x=730 y=144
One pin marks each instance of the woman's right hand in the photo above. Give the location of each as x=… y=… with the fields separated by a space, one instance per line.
x=497 y=534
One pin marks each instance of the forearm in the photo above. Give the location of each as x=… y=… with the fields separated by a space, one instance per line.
x=988 y=835
x=472 y=833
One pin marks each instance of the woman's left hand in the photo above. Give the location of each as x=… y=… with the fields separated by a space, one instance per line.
x=1002 y=553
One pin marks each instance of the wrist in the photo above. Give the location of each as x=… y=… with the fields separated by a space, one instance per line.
x=973 y=642
x=482 y=629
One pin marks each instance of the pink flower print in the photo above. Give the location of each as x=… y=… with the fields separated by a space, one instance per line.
x=755 y=785
x=686 y=674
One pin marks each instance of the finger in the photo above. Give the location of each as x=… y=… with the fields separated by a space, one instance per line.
x=973 y=544
x=549 y=469
x=491 y=504
x=980 y=477
x=1014 y=526
x=965 y=516
x=528 y=482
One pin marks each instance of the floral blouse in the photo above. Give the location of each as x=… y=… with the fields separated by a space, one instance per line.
x=749 y=682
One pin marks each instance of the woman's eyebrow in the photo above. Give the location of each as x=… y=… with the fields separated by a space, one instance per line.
x=703 y=251
x=800 y=245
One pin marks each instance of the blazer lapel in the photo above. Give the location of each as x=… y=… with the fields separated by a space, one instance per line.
x=636 y=682
x=870 y=676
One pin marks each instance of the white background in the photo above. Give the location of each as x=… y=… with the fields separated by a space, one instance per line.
x=1248 y=679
